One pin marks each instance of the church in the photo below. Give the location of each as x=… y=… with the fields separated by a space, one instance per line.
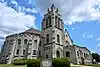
x=51 y=42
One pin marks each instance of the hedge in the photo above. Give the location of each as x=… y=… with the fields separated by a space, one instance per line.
x=20 y=61
x=33 y=63
x=60 y=62
x=56 y=62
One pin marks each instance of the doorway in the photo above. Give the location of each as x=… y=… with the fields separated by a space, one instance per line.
x=82 y=60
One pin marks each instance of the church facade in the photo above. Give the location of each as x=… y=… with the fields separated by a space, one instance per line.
x=51 y=42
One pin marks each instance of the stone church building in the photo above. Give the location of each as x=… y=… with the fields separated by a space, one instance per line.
x=51 y=42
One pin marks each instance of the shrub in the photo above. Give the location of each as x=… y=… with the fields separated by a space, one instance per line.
x=60 y=62
x=20 y=61
x=33 y=63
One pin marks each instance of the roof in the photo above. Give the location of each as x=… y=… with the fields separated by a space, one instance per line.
x=81 y=47
x=33 y=31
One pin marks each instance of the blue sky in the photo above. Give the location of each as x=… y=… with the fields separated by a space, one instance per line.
x=81 y=19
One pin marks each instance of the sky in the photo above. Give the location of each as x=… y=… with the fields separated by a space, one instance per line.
x=81 y=19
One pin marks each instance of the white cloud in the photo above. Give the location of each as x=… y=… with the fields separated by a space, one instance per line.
x=31 y=10
x=64 y=6
x=13 y=22
x=98 y=39
x=87 y=35
x=25 y=6
x=73 y=28
x=98 y=45
x=85 y=12
x=74 y=10
x=84 y=34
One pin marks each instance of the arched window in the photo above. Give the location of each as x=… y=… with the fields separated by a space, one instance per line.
x=58 y=38
x=46 y=56
x=35 y=42
x=67 y=54
x=47 y=38
x=46 y=22
x=34 y=52
x=19 y=41
x=23 y=51
x=77 y=53
x=56 y=22
x=39 y=53
x=25 y=41
x=40 y=43
x=49 y=21
x=17 y=52
x=57 y=53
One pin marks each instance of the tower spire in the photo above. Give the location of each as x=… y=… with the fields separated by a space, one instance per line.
x=53 y=6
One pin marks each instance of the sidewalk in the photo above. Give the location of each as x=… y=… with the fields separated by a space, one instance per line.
x=80 y=65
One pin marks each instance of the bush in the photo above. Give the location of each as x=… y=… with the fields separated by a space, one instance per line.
x=60 y=62
x=33 y=63
x=20 y=61
x=56 y=62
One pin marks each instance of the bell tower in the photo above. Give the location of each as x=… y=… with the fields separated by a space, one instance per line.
x=53 y=31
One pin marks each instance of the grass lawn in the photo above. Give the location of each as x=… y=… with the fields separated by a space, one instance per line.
x=9 y=65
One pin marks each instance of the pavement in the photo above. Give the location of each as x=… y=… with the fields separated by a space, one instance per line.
x=80 y=65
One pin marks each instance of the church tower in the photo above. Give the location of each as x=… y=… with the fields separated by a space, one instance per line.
x=53 y=31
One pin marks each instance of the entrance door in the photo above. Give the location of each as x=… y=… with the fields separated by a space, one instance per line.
x=58 y=54
x=82 y=60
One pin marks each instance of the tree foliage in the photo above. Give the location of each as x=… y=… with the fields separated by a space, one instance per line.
x=96 y=57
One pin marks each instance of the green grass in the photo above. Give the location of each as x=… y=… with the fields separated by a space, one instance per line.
x=9 y=65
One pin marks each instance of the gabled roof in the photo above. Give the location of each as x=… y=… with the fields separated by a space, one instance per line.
x=33 y=31
x=30 y=31
x=81 y=47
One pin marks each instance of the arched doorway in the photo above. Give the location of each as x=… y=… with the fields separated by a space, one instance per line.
x=67 y=54
x=82 y=60
x=58 y=54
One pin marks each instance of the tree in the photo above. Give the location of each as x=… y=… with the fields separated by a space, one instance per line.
x=96 y=56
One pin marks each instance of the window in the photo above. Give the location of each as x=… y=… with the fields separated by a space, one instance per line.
x=17 y=51
x=19 y=41
x=40 y=43
x=67 y=54
x=84 y=55
x=67 y=42
x=58 y=38
x=35 y=42
x=23 y=51
x=46 y=56
x=49 y=21
x=47 y=38
x=25 y=41
x=30 y=42
x=6 y=55
x=77 y=53
x=34 y=52
x=39 y=53
x=58 y=53
x=46 y=22
x=56 y=22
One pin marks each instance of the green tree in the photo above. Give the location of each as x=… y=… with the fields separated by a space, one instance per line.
x=96 y=56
